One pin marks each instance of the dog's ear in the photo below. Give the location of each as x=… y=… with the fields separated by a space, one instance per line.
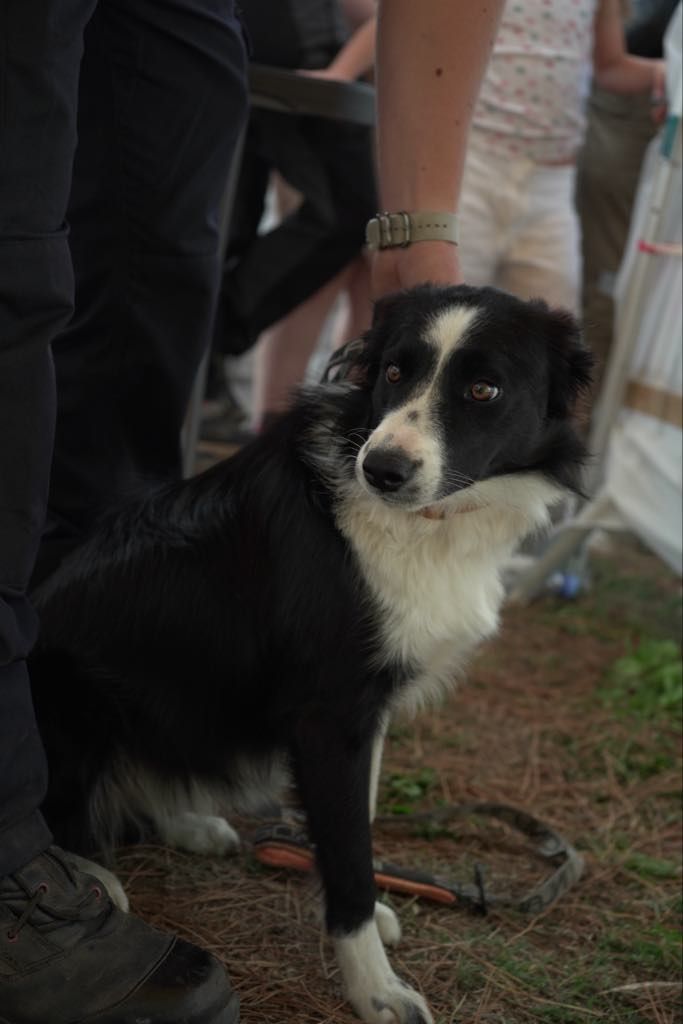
x=364 y=368
x=344 y=363
x=384 y=321
x=384 y=307
x=571 y=363
x=358 y=361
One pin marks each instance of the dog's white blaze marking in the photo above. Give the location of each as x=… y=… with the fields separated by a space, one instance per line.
x=412 y=426
x=436 y=582
x=448 y=329
x=378 y=996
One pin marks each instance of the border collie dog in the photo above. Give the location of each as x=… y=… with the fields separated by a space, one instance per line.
x=261 y=622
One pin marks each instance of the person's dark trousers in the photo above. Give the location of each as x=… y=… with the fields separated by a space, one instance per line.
x=40 y=52
x=153 y=234
x=162 y=101
x=268 y=275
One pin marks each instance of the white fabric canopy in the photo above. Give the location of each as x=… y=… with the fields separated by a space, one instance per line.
x=644 y=476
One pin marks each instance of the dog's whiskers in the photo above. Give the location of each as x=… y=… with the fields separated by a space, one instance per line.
x=355 y=445
x=461 y=479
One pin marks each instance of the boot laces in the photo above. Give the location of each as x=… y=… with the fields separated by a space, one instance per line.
x=35 y=900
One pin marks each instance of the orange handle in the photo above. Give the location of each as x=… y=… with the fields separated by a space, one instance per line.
x=299 y=858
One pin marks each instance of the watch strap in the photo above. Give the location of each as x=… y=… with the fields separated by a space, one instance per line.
x=388 y=230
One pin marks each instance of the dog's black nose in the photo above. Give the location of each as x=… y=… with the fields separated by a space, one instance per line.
x=388 y=470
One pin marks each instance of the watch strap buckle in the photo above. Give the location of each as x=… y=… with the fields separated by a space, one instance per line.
x=393 y=230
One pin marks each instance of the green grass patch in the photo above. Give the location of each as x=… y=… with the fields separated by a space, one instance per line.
x=405 y=790
x=635 y=599
x=652 y=867
x=525 y=975
x=647 y=683
x=655 y=950
x=632 y=758
x=634 y=761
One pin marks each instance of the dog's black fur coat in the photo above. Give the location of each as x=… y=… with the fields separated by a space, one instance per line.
x=216 y=617
x=224 y=618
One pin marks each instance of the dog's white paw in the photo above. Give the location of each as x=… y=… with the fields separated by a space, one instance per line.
x=201 y=833
x=387 y=925
x=377 y=995
x=394 y=1003
x=398 y=1004
x=115 y=890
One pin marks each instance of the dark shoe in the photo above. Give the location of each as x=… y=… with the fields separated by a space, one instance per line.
x=68 y=956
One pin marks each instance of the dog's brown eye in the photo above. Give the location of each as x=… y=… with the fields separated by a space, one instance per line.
x=393 y=374
x=482 y=391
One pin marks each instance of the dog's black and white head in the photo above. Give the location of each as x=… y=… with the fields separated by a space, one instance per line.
x=465 y=387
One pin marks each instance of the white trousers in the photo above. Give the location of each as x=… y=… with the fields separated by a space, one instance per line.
x=519 y=230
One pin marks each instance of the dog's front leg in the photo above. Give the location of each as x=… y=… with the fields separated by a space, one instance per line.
x=387 y=921
x=333 y=774
x=376 y=764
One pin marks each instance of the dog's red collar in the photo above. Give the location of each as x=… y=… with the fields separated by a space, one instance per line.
x=443 y=512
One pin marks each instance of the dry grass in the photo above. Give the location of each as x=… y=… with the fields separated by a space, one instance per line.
x=527 y=727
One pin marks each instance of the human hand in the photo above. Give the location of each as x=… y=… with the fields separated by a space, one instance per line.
x=398 y=268
x=330 y=73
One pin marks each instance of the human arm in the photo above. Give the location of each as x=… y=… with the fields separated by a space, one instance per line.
x=431 y=57
x=355 y=58
x=616 y=70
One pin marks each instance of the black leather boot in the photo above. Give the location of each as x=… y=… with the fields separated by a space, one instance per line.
x=68 y=956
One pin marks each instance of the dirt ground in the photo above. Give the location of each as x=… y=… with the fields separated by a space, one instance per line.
x=573 y=714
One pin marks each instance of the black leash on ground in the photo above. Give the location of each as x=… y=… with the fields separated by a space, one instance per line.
x=284 y=844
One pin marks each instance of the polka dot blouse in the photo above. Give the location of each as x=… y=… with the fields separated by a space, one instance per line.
x=533 y=95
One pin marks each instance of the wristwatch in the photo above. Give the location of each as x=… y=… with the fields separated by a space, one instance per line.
x=388 y=230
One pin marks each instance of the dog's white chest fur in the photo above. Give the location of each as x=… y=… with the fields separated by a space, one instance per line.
x=436 y=583
x=436 y=588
